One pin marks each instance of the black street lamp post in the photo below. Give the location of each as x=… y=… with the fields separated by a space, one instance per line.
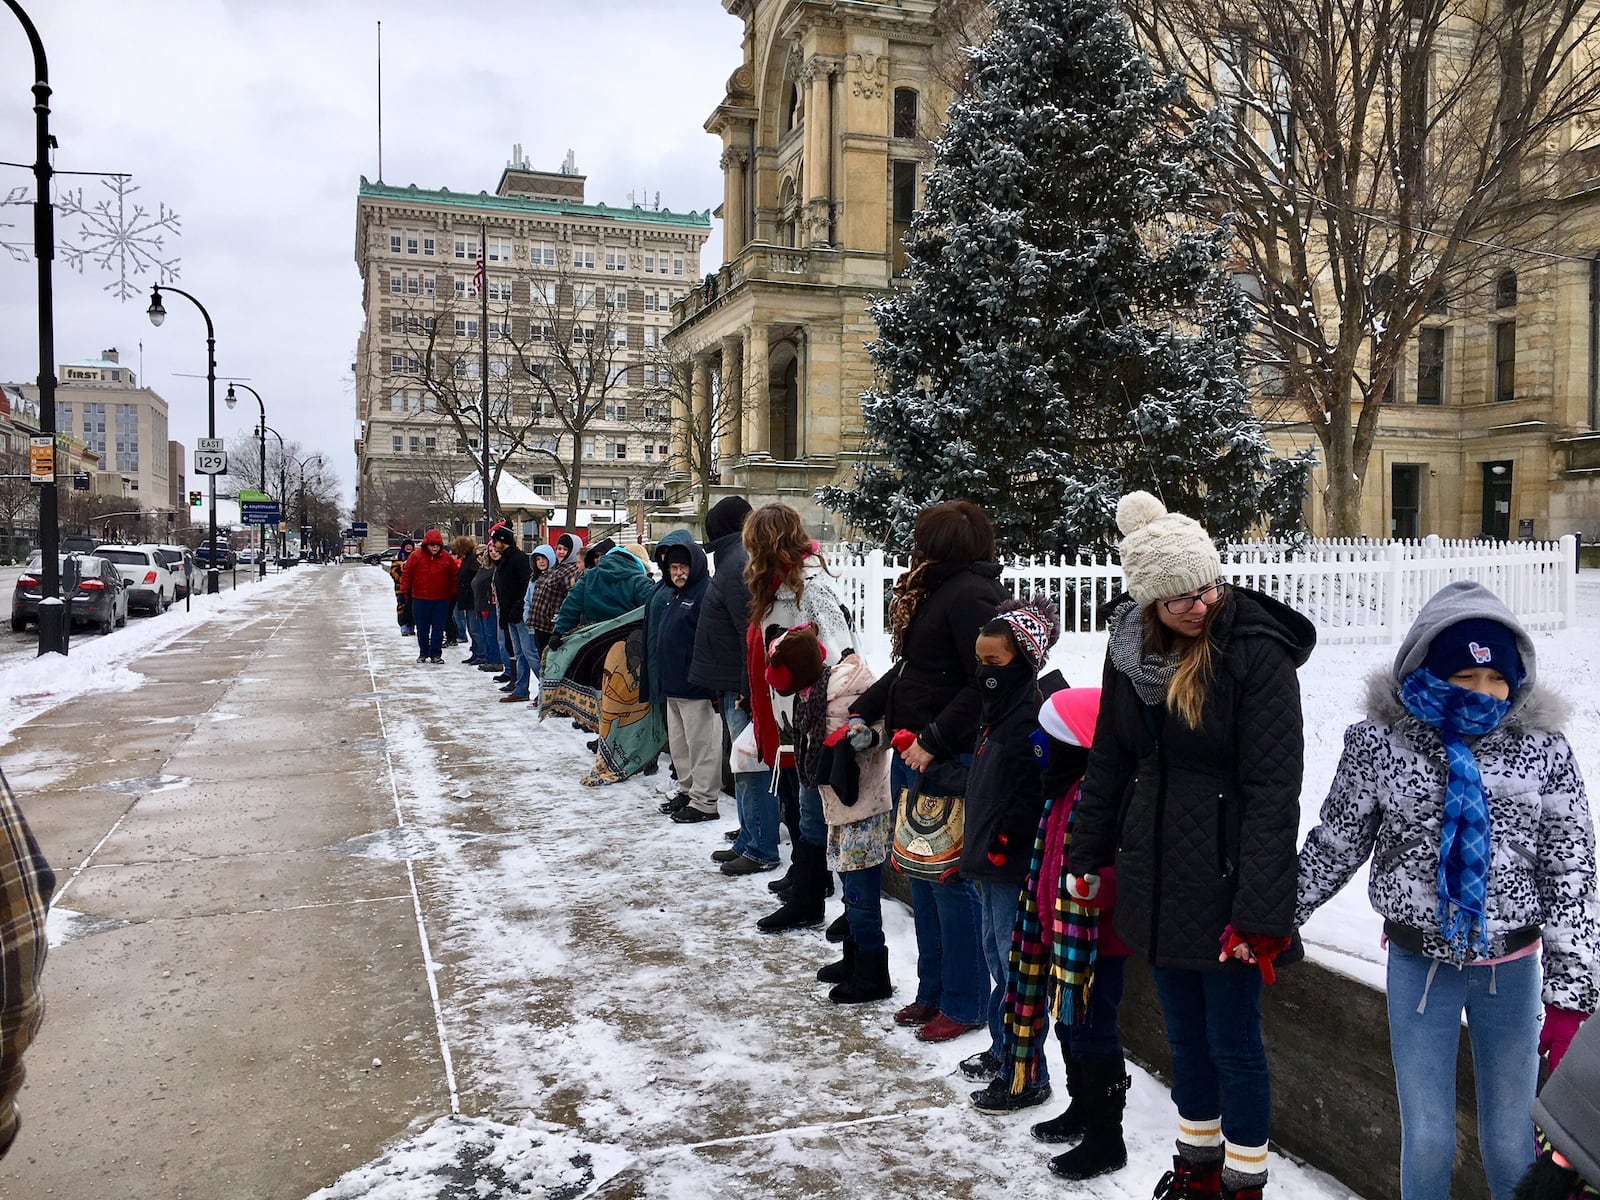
x=54 y=622
x=302 y=464
x=158 y=313
x=230 y=400
x=283 y=484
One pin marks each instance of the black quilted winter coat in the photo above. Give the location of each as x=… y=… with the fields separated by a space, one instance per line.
x=931 y=689
x=1202 y=824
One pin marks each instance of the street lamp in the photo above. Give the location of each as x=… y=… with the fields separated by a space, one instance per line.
x=158 y=313
x=283 y=483
x=302 y=464
x=55 y=623
x=230 y=400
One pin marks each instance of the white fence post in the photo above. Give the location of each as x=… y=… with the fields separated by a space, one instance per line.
x=1569 y=579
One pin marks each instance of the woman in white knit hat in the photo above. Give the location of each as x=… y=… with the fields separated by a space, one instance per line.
x=1193 y=788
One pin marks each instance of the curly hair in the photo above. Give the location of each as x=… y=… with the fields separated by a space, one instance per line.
x=463 y=546
x=778 y=545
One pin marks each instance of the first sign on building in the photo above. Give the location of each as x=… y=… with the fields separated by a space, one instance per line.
x=210 y=457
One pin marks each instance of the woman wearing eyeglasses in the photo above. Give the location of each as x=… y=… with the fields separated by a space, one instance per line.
x=1193 y=790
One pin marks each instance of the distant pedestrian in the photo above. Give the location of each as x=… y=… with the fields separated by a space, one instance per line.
x=511 y=579
x=26 y=884
x=489 y=645
x=1466 y=797
x=402 y=602
x=694 y=728
x=459 y=629
x=429 y=580
x=555 y=584
x=1193 y=792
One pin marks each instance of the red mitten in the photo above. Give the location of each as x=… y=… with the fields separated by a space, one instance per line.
x=903 y=740
x=1560 y=1027
x=838 y=735
x=1264 y=947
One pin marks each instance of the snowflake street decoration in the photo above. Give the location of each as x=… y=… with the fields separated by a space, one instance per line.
x=115 y=233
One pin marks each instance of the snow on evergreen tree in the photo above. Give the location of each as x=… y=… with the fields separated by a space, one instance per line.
x=1071 y=332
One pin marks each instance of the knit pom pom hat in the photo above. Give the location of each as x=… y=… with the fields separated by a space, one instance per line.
x=1164 y=554
x=1033 y=629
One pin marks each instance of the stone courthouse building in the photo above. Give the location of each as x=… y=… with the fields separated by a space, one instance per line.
x=825 y=131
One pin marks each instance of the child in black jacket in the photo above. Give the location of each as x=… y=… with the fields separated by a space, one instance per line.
x=1005 y=798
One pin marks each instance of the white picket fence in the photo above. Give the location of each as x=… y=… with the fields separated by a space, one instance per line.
x=1353 y=591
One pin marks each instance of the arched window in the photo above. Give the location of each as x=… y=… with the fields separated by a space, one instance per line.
x=905 y=113
x=788 y=214
x=1505 y=290
x=791 y=106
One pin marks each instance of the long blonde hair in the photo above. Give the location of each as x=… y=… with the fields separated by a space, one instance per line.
x=1196 y=667
x=779 y=545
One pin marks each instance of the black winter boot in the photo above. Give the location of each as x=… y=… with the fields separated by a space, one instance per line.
x=804 y=908
x=1105 y=1094
x=1068 y=1127
x=870 y=981
x=838 y=972
x=839 y=929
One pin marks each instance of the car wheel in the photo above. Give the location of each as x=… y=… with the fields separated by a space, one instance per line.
x=162 y=601
x=108 y=624
x=123 y=619
x=20 y=624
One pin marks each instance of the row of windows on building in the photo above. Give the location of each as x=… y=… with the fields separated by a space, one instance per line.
x=581 y=373
x=584 y=256
x=611 y=450
x=620 y=412
x=125 y=427
x=500 y=330
x=540 y=292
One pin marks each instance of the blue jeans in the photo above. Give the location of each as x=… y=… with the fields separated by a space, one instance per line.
x=950 y=972
x=430 y=616
x=863 y=907
x=997 y=918
x=489 y=640
x=1097 y=1035
x=527 y=658
x=754 y=799
x=1219 y=1065
x=1502 y=1005
x=459 y=616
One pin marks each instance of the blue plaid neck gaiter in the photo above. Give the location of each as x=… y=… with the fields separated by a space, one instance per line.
x=1465 y=851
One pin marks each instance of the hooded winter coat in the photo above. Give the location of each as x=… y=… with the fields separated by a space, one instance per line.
x=1387 y=803
x=719 y=649
x=427 y=576
x=674 y=616
x=1005 y=797
x=465 y=579
x=617 y=584
x=1201 y=823
x=932 y=689
x=543 y=559
x=818 y=602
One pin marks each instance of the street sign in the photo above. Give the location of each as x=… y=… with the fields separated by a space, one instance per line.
x=210 y=445
x=210 y=462
x=260 y=512
x=358 y=529
x=42 y=459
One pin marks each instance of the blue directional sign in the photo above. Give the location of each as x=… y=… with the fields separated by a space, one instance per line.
x=358 y=529
x=260 y=512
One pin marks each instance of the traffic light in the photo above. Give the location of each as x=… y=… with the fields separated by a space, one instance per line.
x=194 y=499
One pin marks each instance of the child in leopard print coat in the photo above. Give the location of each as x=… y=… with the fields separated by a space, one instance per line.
x=1466 y=796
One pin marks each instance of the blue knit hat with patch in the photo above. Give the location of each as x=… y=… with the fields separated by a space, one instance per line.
x=1476 y=642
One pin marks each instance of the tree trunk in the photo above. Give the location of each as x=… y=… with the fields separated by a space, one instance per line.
x=574 y=479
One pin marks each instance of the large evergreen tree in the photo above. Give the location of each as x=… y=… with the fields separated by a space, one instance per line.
x=1070 y=331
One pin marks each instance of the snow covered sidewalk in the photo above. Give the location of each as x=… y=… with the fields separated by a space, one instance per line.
x=618 y=1028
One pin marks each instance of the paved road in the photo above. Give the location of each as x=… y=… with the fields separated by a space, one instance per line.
x=225 y=978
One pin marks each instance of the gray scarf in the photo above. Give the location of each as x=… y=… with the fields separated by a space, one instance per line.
x=1150 y=674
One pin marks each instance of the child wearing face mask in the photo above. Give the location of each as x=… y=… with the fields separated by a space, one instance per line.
x=1004 y=801
x=1466 y=797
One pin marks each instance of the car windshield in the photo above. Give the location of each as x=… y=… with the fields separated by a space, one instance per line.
x=128 y=558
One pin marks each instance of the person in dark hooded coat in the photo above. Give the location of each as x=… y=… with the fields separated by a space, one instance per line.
x=694 y=730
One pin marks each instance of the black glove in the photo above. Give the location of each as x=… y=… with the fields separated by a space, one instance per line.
x=555 y=641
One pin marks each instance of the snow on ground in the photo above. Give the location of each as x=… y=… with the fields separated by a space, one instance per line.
x=600 y=978
x=33 y=685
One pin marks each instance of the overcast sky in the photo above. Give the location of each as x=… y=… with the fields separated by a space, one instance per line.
x=255 y=119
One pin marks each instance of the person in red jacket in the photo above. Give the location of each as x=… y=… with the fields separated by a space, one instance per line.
x=428 y=580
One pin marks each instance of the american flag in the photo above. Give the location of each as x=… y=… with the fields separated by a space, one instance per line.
x=477 y=279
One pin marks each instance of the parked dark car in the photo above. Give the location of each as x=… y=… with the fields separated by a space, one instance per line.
x=225 y=555
x=97 y=590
